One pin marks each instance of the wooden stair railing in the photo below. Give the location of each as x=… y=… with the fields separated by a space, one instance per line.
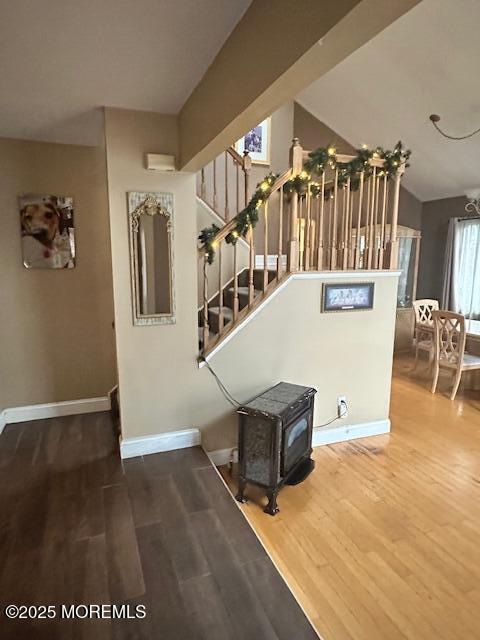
x=224 y=184
x=330 y=225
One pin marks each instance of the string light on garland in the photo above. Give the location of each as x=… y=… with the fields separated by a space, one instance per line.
x=318 y=161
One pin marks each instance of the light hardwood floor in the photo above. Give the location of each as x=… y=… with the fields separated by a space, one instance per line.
x=382 y=541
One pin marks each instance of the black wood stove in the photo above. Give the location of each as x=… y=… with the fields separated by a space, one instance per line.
x=275 y=440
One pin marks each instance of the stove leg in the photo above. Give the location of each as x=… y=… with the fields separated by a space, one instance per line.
x=272 y=507
x=241 y=491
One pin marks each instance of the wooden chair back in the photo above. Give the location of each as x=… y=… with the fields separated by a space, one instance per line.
x=424 y=309
x=450 y=337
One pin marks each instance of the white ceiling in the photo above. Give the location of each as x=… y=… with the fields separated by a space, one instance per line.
x=426 y=62
x=60 y=60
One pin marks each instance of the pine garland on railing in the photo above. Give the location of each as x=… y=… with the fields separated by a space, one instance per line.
x=206 y=238
x=247 y=218
x=318 y=161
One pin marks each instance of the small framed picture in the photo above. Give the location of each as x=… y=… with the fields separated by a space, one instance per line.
x=257 y=143
x=355 y=296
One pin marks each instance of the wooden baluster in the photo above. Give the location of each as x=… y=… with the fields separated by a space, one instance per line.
x=350 y=229
x=356 y=258
x=381 y=250
x=203 y=187
x=227 y=212
x=220 y=291
x=321 y=225
x=235 y=283
x=265 y=246
x=251 y=267
x=300 y=234
x=367 y=224
x=370 y=229
x=333 y=254
x=308 y=205
x=330 y=231
x=206 y=330
x=296 y=162
x=280 y=235
x=238 y=186
x=247 y=165
x=215 y=203
x=393 y=244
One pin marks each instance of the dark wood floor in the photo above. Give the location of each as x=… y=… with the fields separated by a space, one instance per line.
x=160 y=531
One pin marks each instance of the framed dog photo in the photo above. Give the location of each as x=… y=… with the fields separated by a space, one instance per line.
x=48 y=232
x=257 y=143
x=356 y=296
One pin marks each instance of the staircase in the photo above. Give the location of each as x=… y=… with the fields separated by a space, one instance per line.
x=326 y=212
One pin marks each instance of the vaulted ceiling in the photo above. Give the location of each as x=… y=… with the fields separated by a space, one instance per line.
x=425 y=62
x=62 y=60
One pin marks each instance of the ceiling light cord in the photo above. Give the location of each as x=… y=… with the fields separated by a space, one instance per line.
x=434 y=119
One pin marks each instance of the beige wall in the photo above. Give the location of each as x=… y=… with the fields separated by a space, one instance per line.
x=56 y=339
x=161 y=387
x=435 y=217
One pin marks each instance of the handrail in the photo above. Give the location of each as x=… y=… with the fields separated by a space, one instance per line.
x=235 y=155
x=230 y=226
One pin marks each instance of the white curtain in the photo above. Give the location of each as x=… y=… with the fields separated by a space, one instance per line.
x=465 y=268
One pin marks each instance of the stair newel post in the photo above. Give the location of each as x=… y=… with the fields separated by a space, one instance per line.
x=215 y=201
x=296 y=163
x=220 y=291
x=333 y=252
x=346 y=194
x=356 y=255
x=203 y=188
x=280 y=235
x=235 y=283
x=247 y=165
x=227 y=211
x=393 y=245
x=265 y=246
x=321 y=225
x=205 y=303
x=376 y=247
x=307 y=227
x=251 y=267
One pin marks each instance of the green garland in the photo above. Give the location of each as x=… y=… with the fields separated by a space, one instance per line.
x=206 y=238
x=318 y=161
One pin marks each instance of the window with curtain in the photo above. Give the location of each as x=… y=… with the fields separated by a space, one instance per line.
x=466 y=269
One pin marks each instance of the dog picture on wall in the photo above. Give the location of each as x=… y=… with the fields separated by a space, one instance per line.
x=48 y=232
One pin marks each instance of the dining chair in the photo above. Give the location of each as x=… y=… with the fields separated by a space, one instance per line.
x=449 y=338
x=423 y=331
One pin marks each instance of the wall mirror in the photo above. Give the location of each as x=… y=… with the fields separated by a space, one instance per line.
x=150 y=217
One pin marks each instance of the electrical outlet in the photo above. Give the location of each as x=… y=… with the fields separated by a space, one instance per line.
x=342 y=407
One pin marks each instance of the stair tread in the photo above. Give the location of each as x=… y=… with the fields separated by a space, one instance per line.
x=227 y=312
x=242 y=290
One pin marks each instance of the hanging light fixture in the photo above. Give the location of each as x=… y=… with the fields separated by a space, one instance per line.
x=435 y=119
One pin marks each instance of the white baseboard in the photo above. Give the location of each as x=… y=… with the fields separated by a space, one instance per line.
x=133 y=447
x=321 y=436
x=3 y=421
x=331 y=435
x=222 y=456
x=54 y=410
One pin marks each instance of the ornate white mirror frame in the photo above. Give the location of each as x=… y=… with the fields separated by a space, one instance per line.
x=150 y=204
